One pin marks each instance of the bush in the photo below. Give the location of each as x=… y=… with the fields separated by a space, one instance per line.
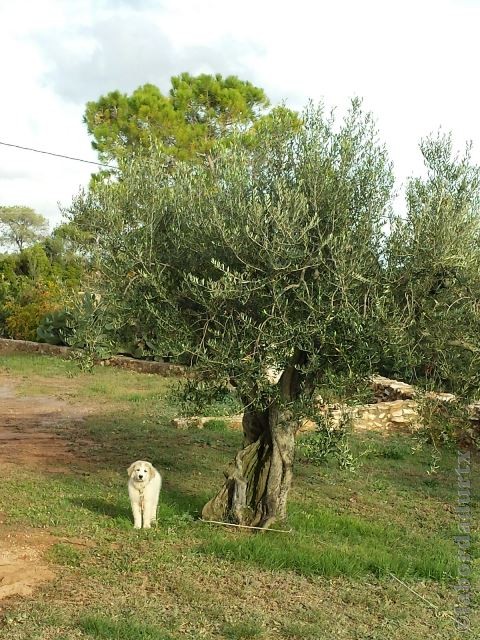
x=446 y=424
x=215 y=425
x=25 y=313
x=56 y=328
x=196 y=397
x=329 y=441
x=36 y=283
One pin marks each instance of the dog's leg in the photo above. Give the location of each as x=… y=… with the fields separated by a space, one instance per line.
x=137 y=515
x=154 y=510
x=147 y=517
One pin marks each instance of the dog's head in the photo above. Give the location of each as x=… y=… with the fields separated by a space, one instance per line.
x=141 y=471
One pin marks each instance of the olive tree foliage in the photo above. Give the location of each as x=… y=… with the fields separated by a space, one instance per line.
x=265 y=266
x=434 y=273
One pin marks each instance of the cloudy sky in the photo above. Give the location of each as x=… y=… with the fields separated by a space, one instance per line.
x=414 y=62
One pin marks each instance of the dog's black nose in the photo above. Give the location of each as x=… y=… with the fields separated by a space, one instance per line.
x=140 y=477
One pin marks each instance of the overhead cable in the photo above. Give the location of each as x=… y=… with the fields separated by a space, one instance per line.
x=58 y=155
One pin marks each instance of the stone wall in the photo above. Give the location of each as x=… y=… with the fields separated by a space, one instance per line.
x=392 y=415
x=385 y=417
x=199 y=422
x=26 y=346
x=386 y=390
x=394 y=409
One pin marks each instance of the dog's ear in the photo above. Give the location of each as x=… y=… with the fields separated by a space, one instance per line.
x=151 y=472
x=130 y=469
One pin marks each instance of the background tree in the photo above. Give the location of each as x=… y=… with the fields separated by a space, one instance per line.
x=197 y=112
x=36 y=282
x=21 y=226
x=267 y=260
x=434 y=272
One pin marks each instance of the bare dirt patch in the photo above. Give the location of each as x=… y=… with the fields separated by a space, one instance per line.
x=29 y=429
x=34 y=433
x=21 y=565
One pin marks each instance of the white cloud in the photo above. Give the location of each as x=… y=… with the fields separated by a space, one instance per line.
x=413 y=62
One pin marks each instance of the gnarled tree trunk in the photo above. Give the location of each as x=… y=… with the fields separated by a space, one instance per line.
x=257 y=483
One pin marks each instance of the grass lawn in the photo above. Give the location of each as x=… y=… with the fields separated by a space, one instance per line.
x=335 y=576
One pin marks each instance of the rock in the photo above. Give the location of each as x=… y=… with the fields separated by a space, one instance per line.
x=185 y=423
x=198 y=422
x=307 y=425
x=443 y=397
x=399 y=419
x=273 y=374
x=386 y=389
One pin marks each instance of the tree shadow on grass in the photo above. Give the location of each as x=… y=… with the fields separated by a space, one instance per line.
x=181 y=503
x=174 y=502
x=103 y=507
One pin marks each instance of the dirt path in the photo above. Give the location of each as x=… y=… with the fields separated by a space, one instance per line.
x=29 y=436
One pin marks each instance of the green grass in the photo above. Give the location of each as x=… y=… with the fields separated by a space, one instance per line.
x=215 y=425
x=31 y=365
x=334 y=560
x=329 y=578
x=243 y=630
x=294 y=630
x=324 y=543
x=65 y=555
x=100 y=627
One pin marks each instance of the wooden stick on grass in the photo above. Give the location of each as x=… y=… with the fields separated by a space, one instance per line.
x=419 y=595
x=244 y=526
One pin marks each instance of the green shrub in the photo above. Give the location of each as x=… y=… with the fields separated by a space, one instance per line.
x=446 y=424
x=34 y=284
x=329 y=441
x=56 y=328
x=26 y=311
x=215 y=425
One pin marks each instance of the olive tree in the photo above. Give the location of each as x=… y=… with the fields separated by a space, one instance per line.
x=266 y=266
x=433 y=271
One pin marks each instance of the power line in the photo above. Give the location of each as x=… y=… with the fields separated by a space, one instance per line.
x=57 y=155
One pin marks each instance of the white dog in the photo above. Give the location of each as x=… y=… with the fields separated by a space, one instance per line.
x=144 y=490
